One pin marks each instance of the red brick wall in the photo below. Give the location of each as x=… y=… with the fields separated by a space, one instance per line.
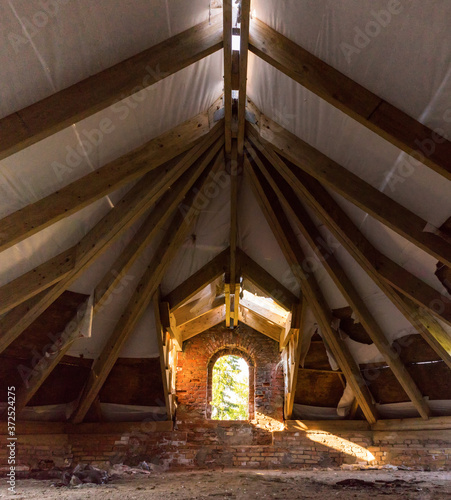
x=199 y=442
x=202 y=350
x=232 y=444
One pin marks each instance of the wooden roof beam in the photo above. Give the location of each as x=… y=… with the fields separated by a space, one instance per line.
x=143 y=294
x=387 y=121
x=227 y=30
x=342 y=228
x=353 y=188
x=134 y=204
x=192 y=310
x=293 y=253
x=58 y=111
x=199 y=280
x=70 y=199
x=57 y=268
x=202 y=323
x=160 y=214
x=259 y=277
x=260 y=323
x=244 y=45
x=299 y=215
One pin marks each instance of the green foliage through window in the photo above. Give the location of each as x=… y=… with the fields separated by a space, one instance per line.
x=230 y=388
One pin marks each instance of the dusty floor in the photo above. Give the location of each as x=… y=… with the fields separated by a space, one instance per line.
x=245 y=484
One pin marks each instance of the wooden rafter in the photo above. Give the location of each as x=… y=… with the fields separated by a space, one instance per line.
x=60 y=110
x=364 y=253
x=293 y=323
x=199 y=280
x=142 y=296
x=232 y=279
x=244 y=44
x=93 y=186
x=264 y=312
x=202 y=323
x=167 y=348
x=260 y=323
x=170 y=325
x=139 y=199
x=353 y=188
x=259 y=277
x=299 y=215
x=393 y=274
x=227 y=30
x=359 y=103
x=155 y=221
x=293 y=253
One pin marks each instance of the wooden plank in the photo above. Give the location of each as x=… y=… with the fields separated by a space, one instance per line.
x=259 y=323
x=341 y=226
x=227 y=37
x=265 y=313
x=193 y=310
x=292 y=324
x=161 y=339
x=356 y=190
x=244 y=44
x=357 y=102
x=95 y=185
x=293 y=253
x=301 y=218
x=202 y=323
x=168 y=322
x=199 y=280
x=147 y=286
x=259 y=277
x=156 y=220
x=134 y=204
x=412 y=424
x=58 y=111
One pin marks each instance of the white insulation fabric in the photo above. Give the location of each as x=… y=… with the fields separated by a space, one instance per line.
x=56 y=56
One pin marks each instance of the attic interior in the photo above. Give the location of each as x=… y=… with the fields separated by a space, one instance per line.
x=266 y=181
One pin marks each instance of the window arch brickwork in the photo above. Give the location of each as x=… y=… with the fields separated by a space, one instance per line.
x=198 y=355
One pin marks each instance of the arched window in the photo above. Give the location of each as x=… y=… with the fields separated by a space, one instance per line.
x=230 y=386
x=230 y=389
